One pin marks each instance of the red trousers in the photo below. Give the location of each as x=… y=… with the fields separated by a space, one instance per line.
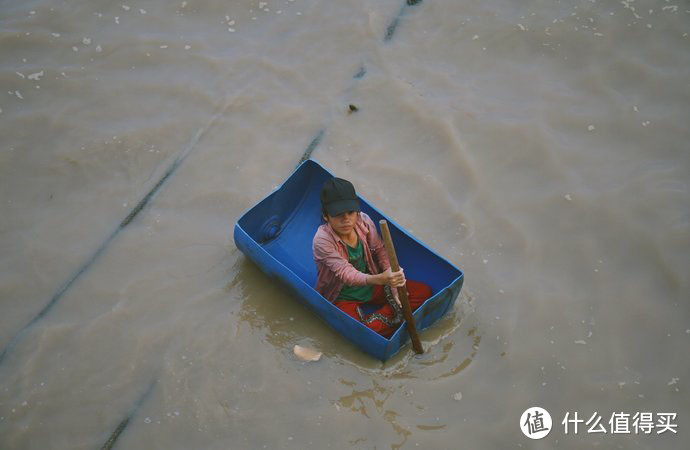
x=382 y=320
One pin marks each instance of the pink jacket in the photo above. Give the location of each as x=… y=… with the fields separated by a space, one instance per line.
x=333 y=269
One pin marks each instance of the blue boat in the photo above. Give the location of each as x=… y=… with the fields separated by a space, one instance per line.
x=277 y=235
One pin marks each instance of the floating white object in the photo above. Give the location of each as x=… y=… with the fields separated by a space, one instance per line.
x=306 y=354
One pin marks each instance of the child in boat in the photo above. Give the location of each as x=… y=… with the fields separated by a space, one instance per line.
x=352 y=264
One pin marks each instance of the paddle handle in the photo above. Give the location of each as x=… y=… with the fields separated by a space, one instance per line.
x=402 y=291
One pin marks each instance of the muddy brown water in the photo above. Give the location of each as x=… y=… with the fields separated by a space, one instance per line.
x=540 y=146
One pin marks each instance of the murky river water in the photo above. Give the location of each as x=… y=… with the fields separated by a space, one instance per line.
x=541 y=146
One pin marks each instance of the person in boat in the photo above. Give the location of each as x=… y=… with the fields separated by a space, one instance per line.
x=353 y=270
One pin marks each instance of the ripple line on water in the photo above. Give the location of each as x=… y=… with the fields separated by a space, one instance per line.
x=124 y=422
x=92 y=259
x=390 y=31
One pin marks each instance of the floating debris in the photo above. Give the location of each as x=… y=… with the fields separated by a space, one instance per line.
x=591 y=128
x=581 y=342
x=306 y=354
x=35 y=76
x=673 y=381
x=568 y=197
x=457 y=396
x=353 y=108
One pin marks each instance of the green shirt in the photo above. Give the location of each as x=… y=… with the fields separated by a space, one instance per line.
x=356 y=293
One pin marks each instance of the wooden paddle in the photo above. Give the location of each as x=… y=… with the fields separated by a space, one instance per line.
x=402 y=291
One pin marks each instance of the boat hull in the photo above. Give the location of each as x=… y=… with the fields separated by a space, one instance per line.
x=276 y=234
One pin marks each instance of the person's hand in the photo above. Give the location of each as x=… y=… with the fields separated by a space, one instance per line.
x=394 y=279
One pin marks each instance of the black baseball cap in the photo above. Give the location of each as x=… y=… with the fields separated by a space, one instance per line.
x=338 y=196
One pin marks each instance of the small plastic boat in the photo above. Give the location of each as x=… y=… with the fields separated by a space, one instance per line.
x=277 y=235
